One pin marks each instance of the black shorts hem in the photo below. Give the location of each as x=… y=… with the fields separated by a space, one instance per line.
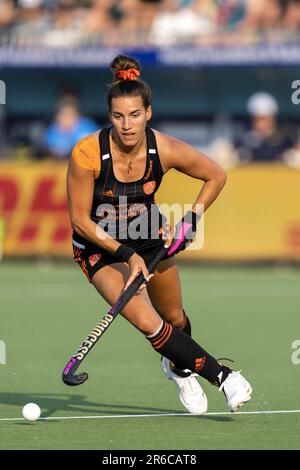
x=93 y=258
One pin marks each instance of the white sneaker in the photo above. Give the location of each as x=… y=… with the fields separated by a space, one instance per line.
x=237 y=390
x=191 y=394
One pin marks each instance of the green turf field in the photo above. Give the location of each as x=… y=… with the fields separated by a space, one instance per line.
x=250 y=315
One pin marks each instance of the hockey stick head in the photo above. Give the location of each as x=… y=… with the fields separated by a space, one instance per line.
x=72 y=380
x=69 y=377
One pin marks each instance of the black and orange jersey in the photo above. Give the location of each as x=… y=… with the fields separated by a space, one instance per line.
x=126 y=211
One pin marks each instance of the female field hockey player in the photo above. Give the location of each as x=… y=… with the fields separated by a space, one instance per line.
x=112 y=178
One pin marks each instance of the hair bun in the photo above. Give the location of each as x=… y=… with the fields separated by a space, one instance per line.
x=125 y=68
x=126 y=83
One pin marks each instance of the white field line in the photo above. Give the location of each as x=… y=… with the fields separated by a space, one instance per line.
x=271 y=412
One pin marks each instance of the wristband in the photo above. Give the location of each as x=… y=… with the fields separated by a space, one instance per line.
x=123 y=253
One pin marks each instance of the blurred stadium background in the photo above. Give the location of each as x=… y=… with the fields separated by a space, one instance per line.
x=225 y=78
x=204 y=59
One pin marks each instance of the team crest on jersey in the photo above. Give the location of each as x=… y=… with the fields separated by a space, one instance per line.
x=149 y=187
x=93 y=259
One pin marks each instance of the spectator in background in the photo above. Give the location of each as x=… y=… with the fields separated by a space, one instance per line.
x=230 y=13
x=291 y=19
x=181 y=22
x=262 y=14
x=7 y=13
x=147 y=12
x=65 y=18
x=96 y=18
x=68 y=127
x=31 y=22
x=266 y=140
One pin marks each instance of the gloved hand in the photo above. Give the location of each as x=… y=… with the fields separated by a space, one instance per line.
x=185 y=232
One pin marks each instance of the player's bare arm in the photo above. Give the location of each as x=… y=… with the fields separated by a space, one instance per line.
x=80 y=187
x=186 y=159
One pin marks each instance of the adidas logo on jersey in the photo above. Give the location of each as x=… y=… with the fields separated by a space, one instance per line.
x=108 y=193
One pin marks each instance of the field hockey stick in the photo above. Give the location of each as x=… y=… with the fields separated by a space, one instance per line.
x=68 y=376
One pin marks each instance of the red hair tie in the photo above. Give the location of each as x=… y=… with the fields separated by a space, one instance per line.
x=129 y=74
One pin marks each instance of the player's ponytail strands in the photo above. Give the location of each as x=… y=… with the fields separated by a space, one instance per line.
x=183 y=351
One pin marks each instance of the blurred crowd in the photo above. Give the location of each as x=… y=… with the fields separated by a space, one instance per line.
x=262 y=137
x=65 y=23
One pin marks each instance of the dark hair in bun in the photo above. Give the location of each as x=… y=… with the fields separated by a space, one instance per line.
x=126 y=82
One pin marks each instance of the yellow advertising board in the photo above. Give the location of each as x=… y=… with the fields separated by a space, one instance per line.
x=256 y=216
x=34 y=208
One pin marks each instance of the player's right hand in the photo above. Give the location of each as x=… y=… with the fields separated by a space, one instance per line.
x=136 y=266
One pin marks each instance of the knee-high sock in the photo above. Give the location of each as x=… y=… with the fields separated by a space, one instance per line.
x=182 y=350
x=187 y=328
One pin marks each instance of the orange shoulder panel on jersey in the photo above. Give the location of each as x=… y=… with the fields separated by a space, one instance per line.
x=86 y=152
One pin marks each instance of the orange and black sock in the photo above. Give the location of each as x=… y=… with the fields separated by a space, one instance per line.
x=183 y=351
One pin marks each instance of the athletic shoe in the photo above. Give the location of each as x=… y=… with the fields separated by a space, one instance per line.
x=191 y=394
x=236 y=389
